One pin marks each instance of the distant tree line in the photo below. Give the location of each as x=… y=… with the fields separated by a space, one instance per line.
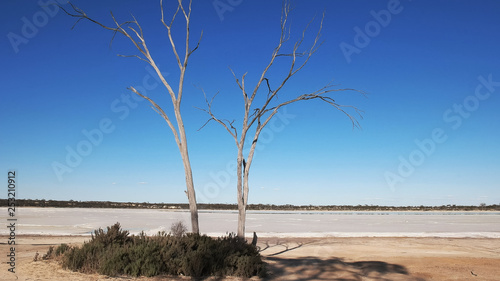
x=262 y=207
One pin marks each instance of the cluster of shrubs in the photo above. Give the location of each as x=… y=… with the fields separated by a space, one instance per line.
x=115 y=252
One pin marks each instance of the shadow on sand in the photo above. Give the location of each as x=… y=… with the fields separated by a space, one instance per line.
x=335 y=269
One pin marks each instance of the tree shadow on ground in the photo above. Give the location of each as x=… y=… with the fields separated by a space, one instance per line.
x=335 y=269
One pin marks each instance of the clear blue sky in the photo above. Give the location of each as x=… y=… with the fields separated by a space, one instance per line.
x=430 y=131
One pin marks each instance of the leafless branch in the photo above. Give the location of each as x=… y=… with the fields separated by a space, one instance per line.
x=133 y=56
x=320 y=95
x=169 y=30
x=228 y=125
x=236 y=78
x=292 y=69
x=241 y=84
x=139 y=43
x=197 y=44
x=283 y=38
x=268 y=88
x=160 y=111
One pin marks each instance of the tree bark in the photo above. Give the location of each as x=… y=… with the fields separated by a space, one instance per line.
x=191 y=194
x=241 y=219
x=242 y=205
x=241 y=202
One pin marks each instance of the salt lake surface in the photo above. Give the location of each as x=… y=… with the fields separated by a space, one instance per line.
x=81 y=221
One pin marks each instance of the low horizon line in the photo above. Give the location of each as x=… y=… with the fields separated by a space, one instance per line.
x=481 y=205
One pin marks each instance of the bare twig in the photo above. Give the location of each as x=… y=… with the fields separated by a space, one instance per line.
x=228 y=125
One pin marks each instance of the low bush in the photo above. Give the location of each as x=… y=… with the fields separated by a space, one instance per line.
x=51 y=253
x=62 y=249
x=178 y=229
x=115 y=252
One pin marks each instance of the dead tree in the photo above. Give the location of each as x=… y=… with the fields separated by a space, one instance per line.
x=258 y=116
x=133 y=31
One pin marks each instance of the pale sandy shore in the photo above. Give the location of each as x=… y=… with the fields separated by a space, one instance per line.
x=309 y=259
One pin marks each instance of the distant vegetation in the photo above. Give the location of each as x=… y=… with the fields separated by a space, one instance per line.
x=114 y=252
x=264 y=207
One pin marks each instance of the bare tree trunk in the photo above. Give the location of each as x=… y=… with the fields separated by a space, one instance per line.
x=241 y=219
x=242 y=206
x=241 y=202
x=191 y=194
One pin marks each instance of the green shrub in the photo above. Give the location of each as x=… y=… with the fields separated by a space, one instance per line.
x=85 y=259
x=115 y=252
x=50 y=253
x=113 y=235
x=61 y=249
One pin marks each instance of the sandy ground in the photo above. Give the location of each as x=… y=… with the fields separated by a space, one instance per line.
x=309 y=259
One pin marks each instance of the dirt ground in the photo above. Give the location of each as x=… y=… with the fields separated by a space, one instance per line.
x=308 y=259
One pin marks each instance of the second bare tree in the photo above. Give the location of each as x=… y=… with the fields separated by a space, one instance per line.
x=257 y=116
